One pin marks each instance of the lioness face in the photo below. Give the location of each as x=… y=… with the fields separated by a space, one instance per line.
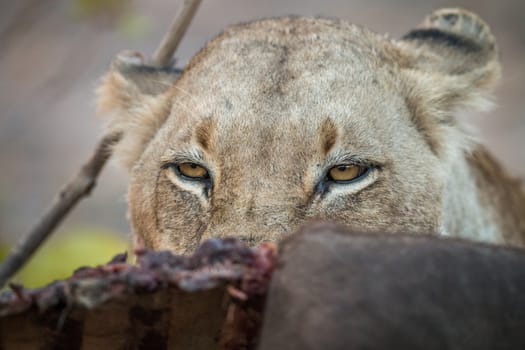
x=283 y=121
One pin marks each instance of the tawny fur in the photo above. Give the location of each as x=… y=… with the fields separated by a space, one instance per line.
x=269 y=106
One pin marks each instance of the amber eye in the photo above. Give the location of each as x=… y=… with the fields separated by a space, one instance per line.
x=346 y=172
x=193 y=171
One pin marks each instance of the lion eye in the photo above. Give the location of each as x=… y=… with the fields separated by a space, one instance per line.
x=346 y=172
x=193 y=171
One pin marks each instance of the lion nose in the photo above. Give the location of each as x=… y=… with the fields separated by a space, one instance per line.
x=250 y=235
x=251 y=240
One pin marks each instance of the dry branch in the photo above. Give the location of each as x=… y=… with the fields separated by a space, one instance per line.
x=79 y=187
x=164 y=54
x=84 y=182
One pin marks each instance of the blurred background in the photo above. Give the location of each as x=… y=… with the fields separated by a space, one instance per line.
x=52 y=54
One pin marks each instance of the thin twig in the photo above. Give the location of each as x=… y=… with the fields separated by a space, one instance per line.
x=80 y=186
x=164 y=54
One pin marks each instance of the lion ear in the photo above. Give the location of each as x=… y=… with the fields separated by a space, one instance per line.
x=458 y=50
x=134 y=99
x=453 y=65
x=459 y=40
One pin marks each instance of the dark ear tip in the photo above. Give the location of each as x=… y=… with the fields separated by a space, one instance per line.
x=127 y=60
x=462 y=24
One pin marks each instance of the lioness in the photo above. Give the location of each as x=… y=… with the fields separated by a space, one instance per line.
x=280 y=121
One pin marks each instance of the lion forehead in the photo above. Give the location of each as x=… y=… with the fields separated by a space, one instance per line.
x=289 y=69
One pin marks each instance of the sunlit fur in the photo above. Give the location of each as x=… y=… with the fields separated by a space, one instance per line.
x=269 y=107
